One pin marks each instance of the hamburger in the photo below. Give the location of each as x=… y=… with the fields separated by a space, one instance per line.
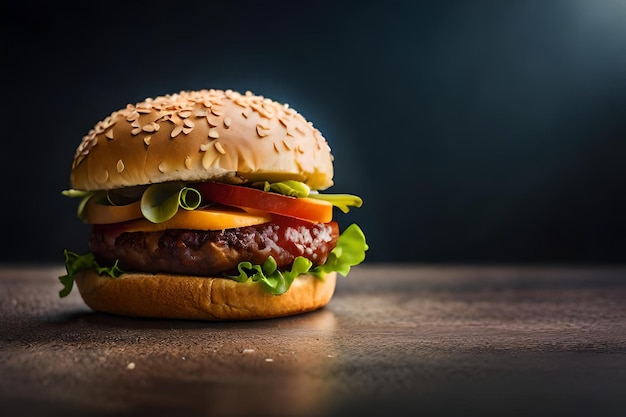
x=208 y=205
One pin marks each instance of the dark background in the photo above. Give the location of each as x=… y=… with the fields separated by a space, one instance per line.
x=474 y=131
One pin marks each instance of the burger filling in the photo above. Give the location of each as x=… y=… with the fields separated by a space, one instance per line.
x=261 y=232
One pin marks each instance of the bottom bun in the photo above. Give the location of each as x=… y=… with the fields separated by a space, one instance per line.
x=198 y=298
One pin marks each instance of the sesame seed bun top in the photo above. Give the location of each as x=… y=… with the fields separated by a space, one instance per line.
x=202 y=135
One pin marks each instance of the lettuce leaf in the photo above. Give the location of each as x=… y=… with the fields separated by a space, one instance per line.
x=290 y=188
x=299 y=189
x=342 y=201
x=349 y=252
x=271 y=279
x=160 y=202
x=74 y=263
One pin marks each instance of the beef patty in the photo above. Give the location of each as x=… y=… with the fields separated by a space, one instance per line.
x=213 y=252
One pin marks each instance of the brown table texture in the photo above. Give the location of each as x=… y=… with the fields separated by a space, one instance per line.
x=395 y=340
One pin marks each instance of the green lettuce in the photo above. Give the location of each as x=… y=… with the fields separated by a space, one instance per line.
x=342 y=201
x=269 y=277
x=160 y=202
x=289 y=187
x=74 y=263
x=299 y=189
x=350 y=251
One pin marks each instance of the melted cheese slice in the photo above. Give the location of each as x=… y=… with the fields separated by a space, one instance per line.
x=213 y=219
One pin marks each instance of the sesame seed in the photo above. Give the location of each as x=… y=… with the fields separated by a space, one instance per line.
x=120 y=166
x=184 y=114
x=204 y=146
x=148 y=128
x=187 y=130
x=262 y=131
x=176 y=131
x=227 y=122
x=147 y=140
x=208 y=159
x=213 y=121
x=188 y=162
x=189 y=123
x=213 y=133
x=109 y=134
x=136 y=131
x=220 y=148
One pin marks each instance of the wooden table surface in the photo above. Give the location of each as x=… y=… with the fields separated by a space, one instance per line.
x=407 y=340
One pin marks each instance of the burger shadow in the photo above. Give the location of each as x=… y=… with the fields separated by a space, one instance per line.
x=82 y=326
x=322 y=319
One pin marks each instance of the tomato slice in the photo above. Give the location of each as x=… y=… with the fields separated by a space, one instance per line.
x=318 y=211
